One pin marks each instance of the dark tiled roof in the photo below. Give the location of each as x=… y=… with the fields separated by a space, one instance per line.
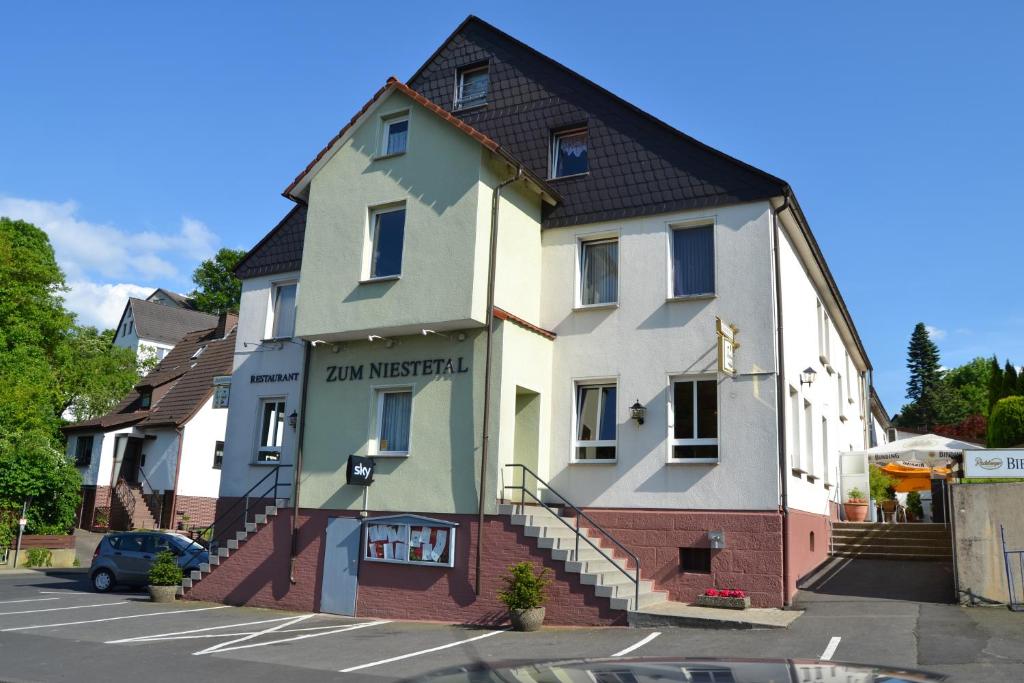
x=638 y=164
x=190 y=383
x=180 y=299
x=280 y=250
x=167 y=324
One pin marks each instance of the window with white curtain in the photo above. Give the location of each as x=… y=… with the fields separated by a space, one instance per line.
x=388 y=235
x=693 y=260
x=284 y=310
x=794 y=431
x=396 y=135
x=569 y=153
x=394 y=414
x=271 y=430
x=694 y=410
x=599 y=272
x=596 y=426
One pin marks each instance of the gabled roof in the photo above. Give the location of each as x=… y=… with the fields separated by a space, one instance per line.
x=298 y=188
x=638 y=164
x=167 y=324
x=280 y=250
x=190 y=378
x=180 y=300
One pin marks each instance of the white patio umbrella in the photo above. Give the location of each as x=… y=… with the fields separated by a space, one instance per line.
x=925 y=450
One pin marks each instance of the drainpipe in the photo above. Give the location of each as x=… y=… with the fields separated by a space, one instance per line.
x=298 y=463
x=489 y=317
x=177 y=474
x=780 y=390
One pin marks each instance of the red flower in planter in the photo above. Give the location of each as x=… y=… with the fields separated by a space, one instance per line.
x=712 y=593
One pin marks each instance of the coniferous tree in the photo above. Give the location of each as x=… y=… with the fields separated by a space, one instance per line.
x=923 y=364
x=1009 y=380
x=995 y=384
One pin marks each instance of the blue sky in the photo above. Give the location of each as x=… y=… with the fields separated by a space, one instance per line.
x=144 y=136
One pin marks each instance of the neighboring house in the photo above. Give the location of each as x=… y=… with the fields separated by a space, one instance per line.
x=882 y=430
x=156 y=457
x=582 y=344
x=152 y=326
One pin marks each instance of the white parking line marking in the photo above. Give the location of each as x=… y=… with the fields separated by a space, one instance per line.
x=11 y=602
x=96 y=621
x=215 y=648
x=831 y=649
x=57 y=609
x=638 y=645
x=421 y=652
x=342 y=629
x=157 y=636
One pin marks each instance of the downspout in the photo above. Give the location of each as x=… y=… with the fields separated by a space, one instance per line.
x=177 y=474
x=298 y=463
x=489 y=317
x=780 y=390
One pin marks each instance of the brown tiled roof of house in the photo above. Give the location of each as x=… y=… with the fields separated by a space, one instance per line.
x=167 y=324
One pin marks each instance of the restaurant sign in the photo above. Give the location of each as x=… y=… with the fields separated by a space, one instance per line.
x=392 y=369
x=994 y=463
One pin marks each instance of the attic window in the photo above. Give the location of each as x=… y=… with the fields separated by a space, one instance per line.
x=569 y=153
x=472 y=86
x=396 y=135
x=145 y=399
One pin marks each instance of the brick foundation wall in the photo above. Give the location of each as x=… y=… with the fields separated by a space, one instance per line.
x=93 y=498
x=751 y=560
x=258 y=575
x=804 y=556
x=201 y=510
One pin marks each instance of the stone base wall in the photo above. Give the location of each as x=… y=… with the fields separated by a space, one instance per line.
x=751 y=560
x=258 y=575
x=201 y=510
x=93 y=498
x=807 y=546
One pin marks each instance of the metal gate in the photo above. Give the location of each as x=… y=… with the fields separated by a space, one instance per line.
x=1014 y=560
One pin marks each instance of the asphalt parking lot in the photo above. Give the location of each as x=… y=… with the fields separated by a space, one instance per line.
x=53 y=628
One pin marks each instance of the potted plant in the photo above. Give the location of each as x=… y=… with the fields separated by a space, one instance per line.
x=183 y=522
x=856 y=506
x=524 y=596
x=164 y=577
x=725 y=598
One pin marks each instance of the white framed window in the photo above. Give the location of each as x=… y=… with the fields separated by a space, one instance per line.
x=840 y=397
x=808 y=443
x=271 y=436
x=218 y=455
x=221 y=391
x=282 y=310
x=599 y=272
x=392 y=421
x=83 y=451
x=692 y=254
x=824 y=335
x=794 y=432
x=826 y=456
x=387 y=237
x=471 y=86
x=161 y=352
x=596 y=428
x=569 y=153
x=693 y=415
x=849 y=382
x=395 y=136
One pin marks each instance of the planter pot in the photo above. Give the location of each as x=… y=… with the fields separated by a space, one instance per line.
x=721 y=602
x=163 y=593
x=855 y=512
x=527 y=619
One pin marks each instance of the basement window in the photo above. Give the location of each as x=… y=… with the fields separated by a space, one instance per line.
x=695 y=560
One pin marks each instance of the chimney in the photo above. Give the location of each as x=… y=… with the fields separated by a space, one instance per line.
x=225 y=323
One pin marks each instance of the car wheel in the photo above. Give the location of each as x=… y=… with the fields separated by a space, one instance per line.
x=103 y=581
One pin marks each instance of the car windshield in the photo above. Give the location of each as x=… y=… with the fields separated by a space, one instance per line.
x=182 y=543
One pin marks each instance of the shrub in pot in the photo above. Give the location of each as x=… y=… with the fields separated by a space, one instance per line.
x=524 y=596
x=164 y=577
x=856 y=506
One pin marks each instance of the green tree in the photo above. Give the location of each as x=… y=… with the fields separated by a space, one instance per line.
x=971 y=383
x=99 y=375
x=995 y=383
x=217 y=288
x=1006 y=423
x=1009 y=380
x=32 y=468
x=923 y=383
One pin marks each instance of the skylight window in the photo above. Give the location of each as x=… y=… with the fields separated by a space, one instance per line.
x=198 y=352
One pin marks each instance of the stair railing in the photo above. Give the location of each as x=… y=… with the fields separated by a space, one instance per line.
x=153 y=500
x=124 y=495
x=524 y=491
x=271 y=483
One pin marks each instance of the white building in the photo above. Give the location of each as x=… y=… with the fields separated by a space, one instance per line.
x=154 y=460
x=152 y=326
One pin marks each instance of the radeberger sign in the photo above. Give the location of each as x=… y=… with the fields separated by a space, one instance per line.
x=994 y=463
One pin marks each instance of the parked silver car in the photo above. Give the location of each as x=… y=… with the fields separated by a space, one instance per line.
x=125 y=557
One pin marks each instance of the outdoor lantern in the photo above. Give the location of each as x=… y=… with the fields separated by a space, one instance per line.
x=807 y=376
x=637 y=412
x=293 y=419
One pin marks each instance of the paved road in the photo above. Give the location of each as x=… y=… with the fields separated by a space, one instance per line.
x=53 y=629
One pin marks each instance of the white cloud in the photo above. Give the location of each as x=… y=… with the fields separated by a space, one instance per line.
x=935 y=333
x=101 y=305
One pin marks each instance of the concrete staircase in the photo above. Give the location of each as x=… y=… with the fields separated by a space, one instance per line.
x=874 y=541
x=594 y=570
x=222 y=553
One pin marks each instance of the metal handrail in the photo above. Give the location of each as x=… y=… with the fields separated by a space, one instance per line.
x=245 y=497
x=153 y=496
x=579 y=513
x=123 y=491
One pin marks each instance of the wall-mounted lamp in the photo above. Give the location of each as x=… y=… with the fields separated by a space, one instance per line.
x=376 y=337
x=807 y=376
x=637 y=412
x=293 y=419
